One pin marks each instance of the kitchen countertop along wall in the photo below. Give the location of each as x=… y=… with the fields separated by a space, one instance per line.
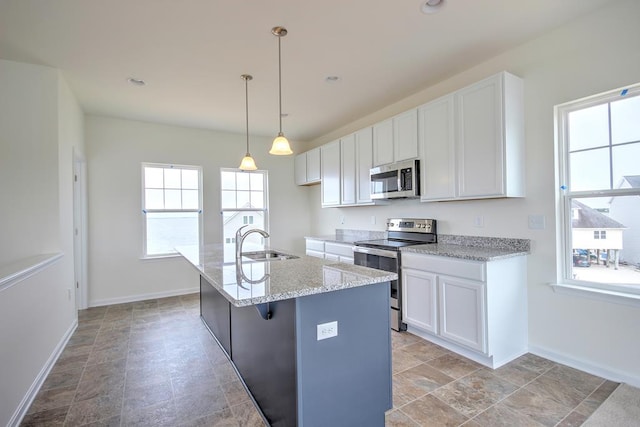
x=476 y=248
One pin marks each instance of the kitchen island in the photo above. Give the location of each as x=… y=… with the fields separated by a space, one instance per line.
x=309 y=338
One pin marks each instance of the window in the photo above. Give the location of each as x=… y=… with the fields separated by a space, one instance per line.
x=599 y=171
x=245 y=202
x=171 y=208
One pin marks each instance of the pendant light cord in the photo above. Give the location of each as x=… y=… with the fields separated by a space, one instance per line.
x=280 y=80
x=246 y=104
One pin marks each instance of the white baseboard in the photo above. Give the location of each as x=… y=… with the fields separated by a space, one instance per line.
x=583 y=365
x=143 y=297
x=28 y=398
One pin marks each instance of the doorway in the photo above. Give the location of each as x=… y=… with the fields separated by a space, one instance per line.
x=80 y=229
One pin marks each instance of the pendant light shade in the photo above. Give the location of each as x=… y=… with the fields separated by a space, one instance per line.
x=280 y=146
x=247 y=163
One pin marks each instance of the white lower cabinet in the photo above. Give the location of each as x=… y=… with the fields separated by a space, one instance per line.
x=462 y=311
x=477 y=309
x=315 y=248
x=332 y=251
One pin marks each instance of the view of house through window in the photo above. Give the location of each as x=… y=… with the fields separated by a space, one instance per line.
x=171 y=207
x=245 y=202
x=600 y=182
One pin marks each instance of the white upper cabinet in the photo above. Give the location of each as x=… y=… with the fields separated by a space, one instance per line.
x=383 y=143
x=364 y=163
x=405 y=136
x=473 y=142
x=307 y=167
x=348 y=169
x=330 y=175
x=437 y=137
x=396 y=139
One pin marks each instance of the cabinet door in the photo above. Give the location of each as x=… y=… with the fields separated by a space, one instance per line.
x=383 y=143
x=364 y=163
x=330 y=167
x=313 y=165
x=437 y=140
x=419 y=299
x=300 y=169
x=480 y=139
x=462 y=312
x=405 y=136
x=348 y=169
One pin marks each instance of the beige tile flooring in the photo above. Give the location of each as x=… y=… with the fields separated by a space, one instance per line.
x=153 y=363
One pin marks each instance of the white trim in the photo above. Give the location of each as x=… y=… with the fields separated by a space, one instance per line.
x=15 y=272
x=30 y=396
x=583 y=365
x=143 y=297
x=599 y=294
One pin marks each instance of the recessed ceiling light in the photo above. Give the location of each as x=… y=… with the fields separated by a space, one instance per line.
x=136 y=82
x=332 y=79
x=431 y=6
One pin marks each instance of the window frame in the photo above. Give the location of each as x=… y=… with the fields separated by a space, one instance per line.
x=564 y=197
x=144 y=211
x=265 y=210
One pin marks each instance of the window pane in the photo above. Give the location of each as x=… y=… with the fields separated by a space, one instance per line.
x=243 y=199
x=257 y=199
x=626 y=162
x=243 y=180
x=617 y=237
x=228 y=180
x=172 y=199
x=190 y=179
x=190 y=199
x=165 y=231
x=228 y=199
x=589 y=128
x=172 y=178
x=153 y=199
x=590 y=170
x=257 y=181
x=153 y=177
x=625 y=120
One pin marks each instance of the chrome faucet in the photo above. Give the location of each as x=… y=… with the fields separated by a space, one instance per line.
x=240 y=238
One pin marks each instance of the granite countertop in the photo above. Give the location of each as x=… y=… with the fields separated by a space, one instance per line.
x=475 y=253
x=275 y=280
x=334 y=238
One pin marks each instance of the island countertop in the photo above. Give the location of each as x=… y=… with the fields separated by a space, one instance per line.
x=268 y=281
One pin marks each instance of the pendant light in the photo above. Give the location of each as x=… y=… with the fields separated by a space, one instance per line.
x=280 y=146
x=247 y=164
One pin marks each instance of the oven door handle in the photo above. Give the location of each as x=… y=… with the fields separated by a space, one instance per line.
x=374 y=251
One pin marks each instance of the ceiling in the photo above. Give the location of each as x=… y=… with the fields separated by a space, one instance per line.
x=191 y=54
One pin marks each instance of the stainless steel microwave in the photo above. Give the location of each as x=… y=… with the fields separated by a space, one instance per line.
x=396 y=180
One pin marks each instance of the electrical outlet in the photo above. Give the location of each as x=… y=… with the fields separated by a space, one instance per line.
x=341 y=219
x=327 y=330
x=373 y=220
x=478 y=221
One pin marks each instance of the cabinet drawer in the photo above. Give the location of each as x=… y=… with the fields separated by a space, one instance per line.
x=474 y=270
x=338 y=249
x=315 y=245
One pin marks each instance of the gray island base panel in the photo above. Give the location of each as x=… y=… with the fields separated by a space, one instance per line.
x=297 y=380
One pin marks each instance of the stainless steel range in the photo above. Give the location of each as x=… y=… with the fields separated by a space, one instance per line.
x=384 y=254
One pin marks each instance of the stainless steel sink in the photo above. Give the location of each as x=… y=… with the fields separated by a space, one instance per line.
x=268 y=255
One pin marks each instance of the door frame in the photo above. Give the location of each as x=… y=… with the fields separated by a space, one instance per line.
x=80 y=229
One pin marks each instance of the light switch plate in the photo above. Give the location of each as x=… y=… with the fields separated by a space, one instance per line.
x=327 y=330
x=536 y=222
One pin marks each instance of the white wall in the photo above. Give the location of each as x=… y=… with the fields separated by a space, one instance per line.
x=115 y=150
x=40 y=123
x=595 y=53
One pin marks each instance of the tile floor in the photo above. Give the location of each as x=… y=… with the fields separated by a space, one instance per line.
x=153 y=363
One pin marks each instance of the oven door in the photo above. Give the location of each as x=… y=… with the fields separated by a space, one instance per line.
x=382 y=260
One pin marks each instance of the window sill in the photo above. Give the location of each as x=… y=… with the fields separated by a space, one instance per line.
x=156 y=257
x=616 y=297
